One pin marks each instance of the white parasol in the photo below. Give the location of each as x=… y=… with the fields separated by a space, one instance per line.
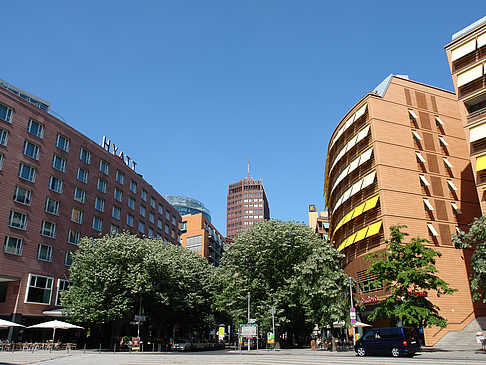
x=56 y=325
x=5 y=324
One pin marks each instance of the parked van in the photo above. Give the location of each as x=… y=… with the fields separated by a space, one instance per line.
x=394 y=341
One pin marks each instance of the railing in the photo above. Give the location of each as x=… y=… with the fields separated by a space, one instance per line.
x=475 y=115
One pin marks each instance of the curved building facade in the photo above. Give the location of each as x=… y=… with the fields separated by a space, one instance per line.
x=399 y=157
x=187 y=206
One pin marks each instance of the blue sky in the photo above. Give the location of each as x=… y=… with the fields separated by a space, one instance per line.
x=189 y=88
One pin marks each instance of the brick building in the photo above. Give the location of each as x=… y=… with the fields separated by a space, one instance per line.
x=399 y=156
x=56 y=186
x=246 y=204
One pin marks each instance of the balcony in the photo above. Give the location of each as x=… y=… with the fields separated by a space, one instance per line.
x=478 y=114
x=468 y=60
x=472 y=87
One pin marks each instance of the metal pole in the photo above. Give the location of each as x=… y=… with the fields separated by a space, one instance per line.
x=273 y=329
x=249 y=339
x=138 y=322
x=352 y=305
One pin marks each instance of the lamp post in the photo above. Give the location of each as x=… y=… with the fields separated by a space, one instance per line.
x=350 y=280
x=249 y=340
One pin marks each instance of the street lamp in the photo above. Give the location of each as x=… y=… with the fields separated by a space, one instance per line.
x=350 y=280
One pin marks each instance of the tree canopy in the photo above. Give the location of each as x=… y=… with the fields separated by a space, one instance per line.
x=475 y=238
x=405 y=268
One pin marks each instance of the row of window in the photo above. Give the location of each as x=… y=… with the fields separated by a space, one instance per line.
x=14 y=245
x=39 y=289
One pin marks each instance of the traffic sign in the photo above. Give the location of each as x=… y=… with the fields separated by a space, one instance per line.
x=353 y=322
x=352 y=315
x=352 y=309
x=140 y=318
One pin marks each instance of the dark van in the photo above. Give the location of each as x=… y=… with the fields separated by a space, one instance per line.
x=395 y=341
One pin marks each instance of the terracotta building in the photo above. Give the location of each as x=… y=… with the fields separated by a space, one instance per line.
x=247 y=203
x=57 y=186
x=467 y=57
x=399 y=157
x=319 y=222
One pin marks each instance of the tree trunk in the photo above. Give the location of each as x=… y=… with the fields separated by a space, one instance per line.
x=333 y=341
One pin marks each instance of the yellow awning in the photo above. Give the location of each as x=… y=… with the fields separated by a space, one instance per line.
x=371 y=203
x=374 y=229
x=361 y=234
x=350 y=240
x=359 y=209
x=343 y=244
x=481 y=163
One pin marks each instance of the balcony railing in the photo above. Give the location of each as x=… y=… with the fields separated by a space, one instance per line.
x=476 y=115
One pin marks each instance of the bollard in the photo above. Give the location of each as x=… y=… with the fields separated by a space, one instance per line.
x=84 y=351
x=114 y=347
x=100 y=348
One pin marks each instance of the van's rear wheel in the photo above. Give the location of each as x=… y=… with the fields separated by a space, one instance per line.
x=395 y=352
x=361 y=351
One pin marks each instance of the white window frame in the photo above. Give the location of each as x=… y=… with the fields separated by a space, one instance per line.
x=130 y=220
x=99 y=204
x=84 y=177
x=53 y=229
x=101 y=185
x=23 y=219
x=97 y=224
x=86 y=153
x=62 y=166
x=27 y=196
x=40 y=132
x=8 y=114
x=120 y=177
x=51 y=279
x=36 y=149
x=83 y=195
x=118 y=211
x=65 y=285
x=49 y=252
x=18 y=246
x=32 y=172
x=80 y=215
x=104 y=167
x=64 y=145
x=52 y=180
x=76 y=235
x=56 y=205
x=3 y=137
x=66 y=255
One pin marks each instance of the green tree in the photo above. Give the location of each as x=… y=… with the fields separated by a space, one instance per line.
x=113 y=276
x=268 y=260
x=475 y=238
x=402 y=268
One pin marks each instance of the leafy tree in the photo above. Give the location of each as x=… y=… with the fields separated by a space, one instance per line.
x=402 y=268
x=113 y=276
x=269 y=260
x=475 y=238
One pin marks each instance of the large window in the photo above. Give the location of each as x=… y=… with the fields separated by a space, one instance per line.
x=133 y=186
x=141 y=227
x=101 y=186
x=130 y=220
x=26 y=172
x=6 y=113
x=120 y=177
x=17 y=220
x=118 y=195
x=97 y=224
x=52 y=206
x=161 y=209
x=144 y=195
x=159 y=223
x=142 y=211
x=61 y=285
x=82 y=175
x=68 y=258
x=114 y=229
x=31 y=149
x=194 y=243
x=48 y=229
x=166 y=229
x=152 y=217
x=22 y=195
x=104 y=167
x=3 y=137
x=77 y=215
x=85 y=155
x=35 y=128
x=79 y=194
x=59 y=163
x=13 y=245
x=1 y=160
x=44 y=252
x=62 y=142
x=131 y=203
x=74 y=237
x=167 y=215
x=152 y=202
x=116 y=212
x=55 y=184
x=150 y=232
x=39 y=289
x=100 y=204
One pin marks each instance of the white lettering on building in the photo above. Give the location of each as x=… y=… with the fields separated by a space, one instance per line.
x=114 y=150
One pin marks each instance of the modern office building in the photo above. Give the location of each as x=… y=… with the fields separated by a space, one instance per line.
x=399 y=157
x=467 y=59
x=247 y=203
x=200 y=236
x=187 y=206
x=57 y=186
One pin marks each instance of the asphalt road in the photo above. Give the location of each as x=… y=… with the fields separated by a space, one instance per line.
x=262 y=357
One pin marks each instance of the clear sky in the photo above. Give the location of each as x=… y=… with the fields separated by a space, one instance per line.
x=189 y=89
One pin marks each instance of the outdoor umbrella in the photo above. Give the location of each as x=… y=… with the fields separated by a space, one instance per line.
x=361 y=324
x=55 y=325
x=5 y=324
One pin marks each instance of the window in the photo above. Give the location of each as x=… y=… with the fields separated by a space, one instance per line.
x=159 y=236
x=144 y=195
x=48 y=229
x=118 y=194
x=59 y=163
x=133 y=186
x=101 y=185
x=194 y=243
x=31 y=149
x=173 y=220
x=79 y=194
x=35 y=128
x=141 y=227
x=55 y=184
x=39 y=290
x=100 y=204
x=159 y=223
x=97 y=223
x=130 y=220
x=74 y=237
x=6 y=113
x=85 y=155
x=26 y=172
x=152 y=217
x=61 y=285
x=3 y=137
x=52 y=206
x=161 y=209
x=44 y=252
x=1 y=160
x=17 y=220
x=77 y=215
x=142 y=211
x=62 y=142
x=167 y=215
x=116 y=212
x=131 y=203
x=82 y=175
x=114 y=229
x=120 y=177
x=104 y=167
x=167 y=229
x=22 y=195
x=150 y=233
x=152 y=202
x=13 y=245
x=68 y=258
